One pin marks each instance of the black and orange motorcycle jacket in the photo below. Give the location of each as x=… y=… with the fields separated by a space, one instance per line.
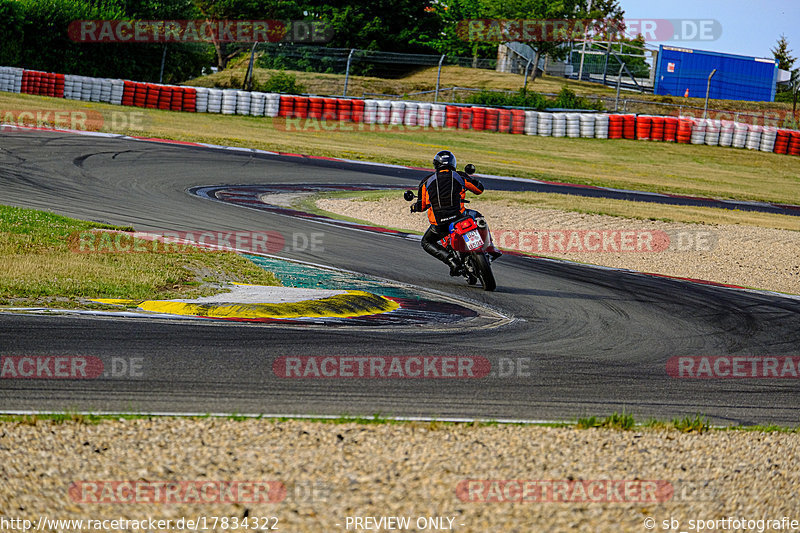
x=442 y=194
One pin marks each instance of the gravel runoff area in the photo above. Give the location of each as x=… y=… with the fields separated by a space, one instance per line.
x=333 y=473
x=738 y=255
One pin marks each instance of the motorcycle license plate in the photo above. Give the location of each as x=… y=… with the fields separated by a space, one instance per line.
x=473 y=239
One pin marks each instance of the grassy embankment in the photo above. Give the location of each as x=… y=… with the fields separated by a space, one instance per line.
x=39 y=265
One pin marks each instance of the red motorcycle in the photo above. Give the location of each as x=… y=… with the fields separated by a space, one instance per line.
x=471 y=241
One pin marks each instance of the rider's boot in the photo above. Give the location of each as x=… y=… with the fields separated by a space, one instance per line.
x=455 y=268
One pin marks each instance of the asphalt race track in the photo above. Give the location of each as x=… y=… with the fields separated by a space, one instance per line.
x=594 y=341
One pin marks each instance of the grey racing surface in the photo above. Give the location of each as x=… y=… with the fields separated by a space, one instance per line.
x=585 y=341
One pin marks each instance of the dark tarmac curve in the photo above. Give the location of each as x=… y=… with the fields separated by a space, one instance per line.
x=597 y=341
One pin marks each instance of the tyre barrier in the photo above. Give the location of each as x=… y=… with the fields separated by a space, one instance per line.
x=559 y=125
x=712 y=132
x=629 y=127
x=602 y=126
x=794 y=143
x=643 y=126
x=490 y=119
x=573 y=124
x=587 y=128
x=753 y=138
x=370 y=111
x=396 y=112
x=545 y=128
x=726 y=133
x=768 y=136
x=408 y=114
x=424 y=115
x=531 y=122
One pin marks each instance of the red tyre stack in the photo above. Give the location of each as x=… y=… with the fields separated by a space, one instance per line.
x=176 y=104
x=344 y=110
x=629 y=126
x=300 y=107
x=59 y=88
x=782 y=138
x=657 y=129
x=492 y=118
x=504 y=121
x=357 y=113
x=128 y=93
x=684 y=134
x=615 y=126
x=794 y=143
x=286 y=107
x=315 y=106
x=643 y=126
x=165 y=97
x=517 y=121
x=465 y=118
x=189 y=100
x=51 y=84
x=670 y=129
x=329 y=109
x=451 y=117
x=478 y=118
x=140 y=95
x=153 y=92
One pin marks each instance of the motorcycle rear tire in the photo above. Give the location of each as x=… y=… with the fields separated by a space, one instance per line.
x=484 y=271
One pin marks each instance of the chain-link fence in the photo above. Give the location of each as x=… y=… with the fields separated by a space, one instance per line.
x=355 y=61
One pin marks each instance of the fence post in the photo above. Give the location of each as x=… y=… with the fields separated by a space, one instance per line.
x=619 y=81
x=708 y=88
x=347 y=72
x=163 y=60
x=438 y=77
x=248 y=79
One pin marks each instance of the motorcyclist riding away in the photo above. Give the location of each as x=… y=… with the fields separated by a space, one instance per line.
x=442 y=194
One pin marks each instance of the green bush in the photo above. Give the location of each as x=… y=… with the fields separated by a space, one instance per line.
x=566 y=99
x=280 y=82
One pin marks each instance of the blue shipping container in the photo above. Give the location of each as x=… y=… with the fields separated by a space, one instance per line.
x=737 y=77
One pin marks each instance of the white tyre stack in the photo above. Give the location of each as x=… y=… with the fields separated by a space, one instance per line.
x=229 y=97
x=768 y=136
x=587 y=125
x=753 y=138
x=424 y=115
x=215 y=100
x=202 y=99
x=740 y=132
x=438 y=115
x=6 y=80
x=712 y=132
x=384 y=112
x=75 y=85
x=370 y=111
x=559 y=125
x=726 y=133
x=573 y=121
x=531 y=122
x=272 y=105
x=105 y=90
x=699 y=131
x=97 y=89
x=243 y=101
x=117 y=91
x=257 y=104
x=411 y=112
x=86 y=89
x=601 y=126
x=545 y=124
x=17 y=80
x=397 y=112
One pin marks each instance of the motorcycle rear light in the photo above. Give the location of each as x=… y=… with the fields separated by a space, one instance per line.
x=465 y=225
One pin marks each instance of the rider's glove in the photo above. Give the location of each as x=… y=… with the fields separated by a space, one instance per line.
x=415 y=207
